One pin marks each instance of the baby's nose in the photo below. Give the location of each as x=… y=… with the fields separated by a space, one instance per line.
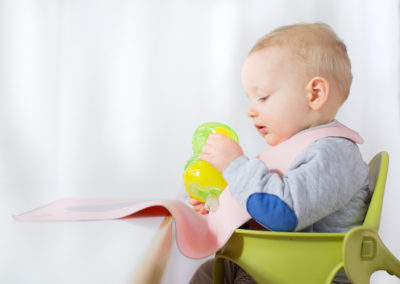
x=251 y=112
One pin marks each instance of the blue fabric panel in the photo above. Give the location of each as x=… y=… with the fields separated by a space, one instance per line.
x=271 y=212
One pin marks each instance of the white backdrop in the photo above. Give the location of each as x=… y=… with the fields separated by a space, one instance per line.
x=100 y=98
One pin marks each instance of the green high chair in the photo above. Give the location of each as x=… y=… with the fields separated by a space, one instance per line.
x=315 y=258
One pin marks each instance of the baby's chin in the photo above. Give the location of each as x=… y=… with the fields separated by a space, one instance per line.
x=272 y=140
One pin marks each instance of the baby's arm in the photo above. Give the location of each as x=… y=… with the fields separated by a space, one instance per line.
x=322 y=181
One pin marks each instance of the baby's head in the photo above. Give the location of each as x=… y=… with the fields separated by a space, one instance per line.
x=296 y=77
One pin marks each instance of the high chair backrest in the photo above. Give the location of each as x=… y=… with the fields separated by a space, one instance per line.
x=378 y=168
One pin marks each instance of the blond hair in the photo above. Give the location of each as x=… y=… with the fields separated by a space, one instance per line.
x=319 y=51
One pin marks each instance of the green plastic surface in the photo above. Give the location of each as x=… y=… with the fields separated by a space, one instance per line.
x=315 y=258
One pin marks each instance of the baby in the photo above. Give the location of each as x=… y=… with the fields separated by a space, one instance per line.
x=296 y=78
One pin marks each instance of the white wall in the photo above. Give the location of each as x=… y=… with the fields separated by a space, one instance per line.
x=100 y=98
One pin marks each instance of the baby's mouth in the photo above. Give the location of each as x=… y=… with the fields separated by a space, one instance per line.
x=262 y=129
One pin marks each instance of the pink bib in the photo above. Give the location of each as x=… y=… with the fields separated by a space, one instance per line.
x=279 y=158
x=197 y=235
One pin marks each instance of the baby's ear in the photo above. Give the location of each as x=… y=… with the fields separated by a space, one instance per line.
x=317 y=92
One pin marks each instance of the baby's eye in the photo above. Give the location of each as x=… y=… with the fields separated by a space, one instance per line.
x=263 y=99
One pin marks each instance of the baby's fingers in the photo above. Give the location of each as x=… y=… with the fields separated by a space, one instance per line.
x=203 y=211
x=215 y=137
x=194 y=202
x=198 y=206
x=206 y=149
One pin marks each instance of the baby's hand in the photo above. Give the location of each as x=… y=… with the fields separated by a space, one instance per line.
x=220 y=151
x=198 y=206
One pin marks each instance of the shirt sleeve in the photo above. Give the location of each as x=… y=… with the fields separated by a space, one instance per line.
x=320 y=182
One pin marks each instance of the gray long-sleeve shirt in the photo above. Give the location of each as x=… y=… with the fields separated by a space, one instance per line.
x=326 y=187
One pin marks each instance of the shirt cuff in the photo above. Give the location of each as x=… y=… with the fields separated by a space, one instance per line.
x=231 y=171
x=241 y=178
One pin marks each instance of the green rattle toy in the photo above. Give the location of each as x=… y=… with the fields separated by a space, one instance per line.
x=202 y=181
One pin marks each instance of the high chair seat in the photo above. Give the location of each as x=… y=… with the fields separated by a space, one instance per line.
x=299 y=257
